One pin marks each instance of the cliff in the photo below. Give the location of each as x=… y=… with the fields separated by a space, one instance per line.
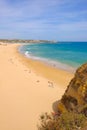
x=72 y=108
x=75 y=96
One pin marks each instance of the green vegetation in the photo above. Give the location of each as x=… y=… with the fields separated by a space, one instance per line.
x=66 y=121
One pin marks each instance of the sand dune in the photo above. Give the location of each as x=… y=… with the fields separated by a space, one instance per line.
x=27 y=89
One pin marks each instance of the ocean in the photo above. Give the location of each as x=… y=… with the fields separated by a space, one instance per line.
x=64 y=55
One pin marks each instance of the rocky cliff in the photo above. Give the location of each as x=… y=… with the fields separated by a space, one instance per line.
x=75 y=97
x=72 y=108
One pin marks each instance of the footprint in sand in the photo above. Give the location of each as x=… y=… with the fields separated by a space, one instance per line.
x=30 y=71
x=11 y=61
x=50 y=84
x=37 y=81
x=25 y=70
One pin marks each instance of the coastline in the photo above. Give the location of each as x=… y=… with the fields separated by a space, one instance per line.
x=48 y=62
x=46 y=70
x=25 y=89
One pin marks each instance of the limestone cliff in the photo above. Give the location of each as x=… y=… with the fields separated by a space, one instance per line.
x=72 y=108
x=75 y=97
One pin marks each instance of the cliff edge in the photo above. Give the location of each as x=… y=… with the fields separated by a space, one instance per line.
x=75 y=96
x=72 y=108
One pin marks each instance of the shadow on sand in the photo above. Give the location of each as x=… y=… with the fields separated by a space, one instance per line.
x=55 y=106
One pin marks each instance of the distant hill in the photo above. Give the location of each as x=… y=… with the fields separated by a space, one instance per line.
x=25 y=41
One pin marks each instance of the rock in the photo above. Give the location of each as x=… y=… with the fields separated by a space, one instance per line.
x=75 y=96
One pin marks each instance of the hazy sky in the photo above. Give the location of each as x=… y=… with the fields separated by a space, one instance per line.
x=44 y=19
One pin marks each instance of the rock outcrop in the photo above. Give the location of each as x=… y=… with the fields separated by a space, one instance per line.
x=72 y=108
x=75 y=97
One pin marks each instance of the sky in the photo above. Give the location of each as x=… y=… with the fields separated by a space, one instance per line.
x=62 y=20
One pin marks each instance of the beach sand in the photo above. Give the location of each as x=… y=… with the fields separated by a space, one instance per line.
x=28 y=88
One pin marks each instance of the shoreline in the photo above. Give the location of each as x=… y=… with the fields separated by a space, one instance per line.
x=48 y=62
x=46 y=70
x=27 y=89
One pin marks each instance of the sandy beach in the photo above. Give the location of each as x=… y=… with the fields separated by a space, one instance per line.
x=28 y=88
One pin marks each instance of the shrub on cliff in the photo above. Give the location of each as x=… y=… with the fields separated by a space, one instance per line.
x=72 y=107
x=66 y=121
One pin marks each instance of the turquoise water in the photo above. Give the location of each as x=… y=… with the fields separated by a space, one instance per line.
x=65 y=55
